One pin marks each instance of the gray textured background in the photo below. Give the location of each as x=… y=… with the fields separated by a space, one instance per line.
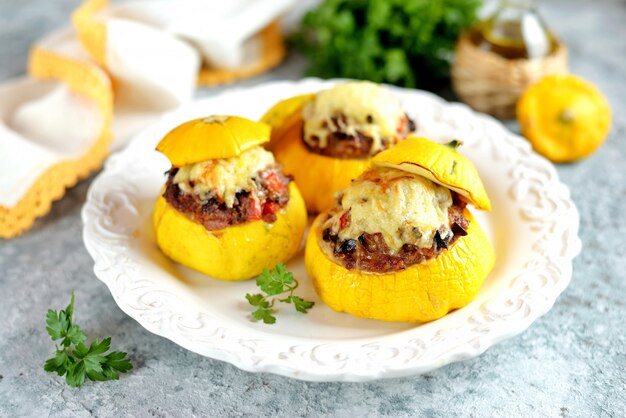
x=571 y=362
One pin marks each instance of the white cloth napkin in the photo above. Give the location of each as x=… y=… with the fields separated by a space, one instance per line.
x=221 y=31
x=41 y=124
x=153 y=52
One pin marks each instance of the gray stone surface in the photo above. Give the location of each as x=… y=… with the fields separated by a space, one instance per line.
x=571 y=362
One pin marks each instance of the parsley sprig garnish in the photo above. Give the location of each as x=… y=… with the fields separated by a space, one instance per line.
x=277 y=281
x=77 y=361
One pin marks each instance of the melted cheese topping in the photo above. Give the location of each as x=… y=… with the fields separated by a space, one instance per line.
x=223 y=177
x=405 y=208
x=368 y=108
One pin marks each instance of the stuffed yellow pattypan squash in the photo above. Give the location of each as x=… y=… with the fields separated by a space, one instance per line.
x=399 y=244
x=227 y=209
x=327 y=139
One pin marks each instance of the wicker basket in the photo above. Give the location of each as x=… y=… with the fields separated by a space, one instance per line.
x=492 y=84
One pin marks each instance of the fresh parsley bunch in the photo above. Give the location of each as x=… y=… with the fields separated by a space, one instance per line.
x=74 y=359
x=277 y=281
x=404 y=42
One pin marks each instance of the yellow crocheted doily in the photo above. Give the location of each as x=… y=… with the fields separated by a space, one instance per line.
x=91 y=32
x=85 y=79
x=91 y=79
x=273 y=52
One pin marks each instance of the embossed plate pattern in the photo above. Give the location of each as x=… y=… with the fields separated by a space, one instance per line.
x=533 y=227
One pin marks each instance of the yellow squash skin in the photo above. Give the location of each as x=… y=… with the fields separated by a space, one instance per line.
x=238 y=252
x=281 y=117
x=421 y=293
x=317 y=176
x=283 y=113
x=438 y=163
x=212 y=137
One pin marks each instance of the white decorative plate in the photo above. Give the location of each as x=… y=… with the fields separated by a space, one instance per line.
x=533 y=227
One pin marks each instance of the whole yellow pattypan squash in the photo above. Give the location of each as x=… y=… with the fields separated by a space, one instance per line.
x=210 y=217
x=564 y=117
x=423 y=291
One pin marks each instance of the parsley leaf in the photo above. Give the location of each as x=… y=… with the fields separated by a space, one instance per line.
x=59 y=364
x=265 y=315
x=275 y=282
x=264 y=309
x=81 y=361
x=76 y=374
x=75 y=335
x=256 y=299
x=117 y=360
x=57 y=324
x=301 y=305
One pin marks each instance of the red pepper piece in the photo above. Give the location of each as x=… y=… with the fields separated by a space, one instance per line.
x=255 y=211
x=270 y=208
x=344 y=221
x=273 y=182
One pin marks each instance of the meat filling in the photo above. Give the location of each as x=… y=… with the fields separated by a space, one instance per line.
x=340 y=144
x=370 y=252
x=263 y=202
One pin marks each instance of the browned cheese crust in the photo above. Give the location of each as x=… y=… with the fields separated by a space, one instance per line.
x=371 y=253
